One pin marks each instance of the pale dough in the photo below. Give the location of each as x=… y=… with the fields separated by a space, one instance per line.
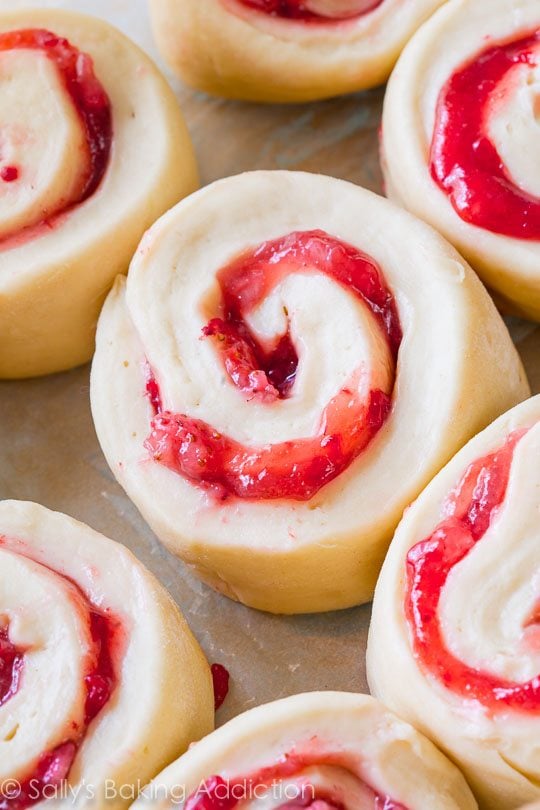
x=228 y=49
x=354 y=742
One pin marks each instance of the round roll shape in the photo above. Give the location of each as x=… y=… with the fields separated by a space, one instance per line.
x=290 y=361
x=320 y=750
x=285 y=50
x=456 y=612
x=93 y=150
x=460 y=139
x=101 y=682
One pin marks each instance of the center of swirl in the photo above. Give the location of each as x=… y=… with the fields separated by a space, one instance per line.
x=295 y=469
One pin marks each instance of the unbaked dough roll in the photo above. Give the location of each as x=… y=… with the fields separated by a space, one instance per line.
x=101 y=682
x=93 y=149
x=291 y=360
x=460 y=139
x=320 y=750
x=454 y=641
x=285 y=50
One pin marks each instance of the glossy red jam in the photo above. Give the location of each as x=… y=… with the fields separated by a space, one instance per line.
x=294 y=469
x=11 y=666
x=470 y=510
x=9 y=174
x=50 y=772
x=152 y=390
x=220 y=679
x=303 y=11
x=263 y=375
x=87 y=94
x=54 y=766
x=465 y=162
x=101 y=680
x=218 y=793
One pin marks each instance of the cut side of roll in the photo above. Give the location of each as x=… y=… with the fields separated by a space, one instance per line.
x=93 y=149
x=285 y=50
x=460 y=139
x=320 y=750
x=290 y=361
x=101 y=682
x=456 y=612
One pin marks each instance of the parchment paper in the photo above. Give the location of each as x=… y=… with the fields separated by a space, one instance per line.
x=49 y=450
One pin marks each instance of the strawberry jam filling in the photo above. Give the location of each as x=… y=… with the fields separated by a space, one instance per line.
x=469 y=511
x=295 y=469
x=313 y=12
x=11 y=665
x=53 y=767
x=88 y=97
x=220 y=680
x=464 y=161
x=9 y=174
x=217 y=793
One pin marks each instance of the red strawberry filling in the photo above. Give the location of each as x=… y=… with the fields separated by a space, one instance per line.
x=464 y=161
x=90 y=101
x=11 y=665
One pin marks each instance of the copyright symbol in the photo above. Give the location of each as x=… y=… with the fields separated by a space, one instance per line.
x=10 y=789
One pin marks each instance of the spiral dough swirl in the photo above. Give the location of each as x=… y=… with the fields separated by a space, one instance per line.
x=460 y=139
x=92 y=150
x=457 y=605
x=101 y=681
x=284 y=370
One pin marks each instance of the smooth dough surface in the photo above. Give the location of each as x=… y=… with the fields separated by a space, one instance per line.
x=51 y=568
x=458 y=32
x=53 y=283
x=484 y=611
x=353 y=740
x=457 y=370
x=228 y=49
